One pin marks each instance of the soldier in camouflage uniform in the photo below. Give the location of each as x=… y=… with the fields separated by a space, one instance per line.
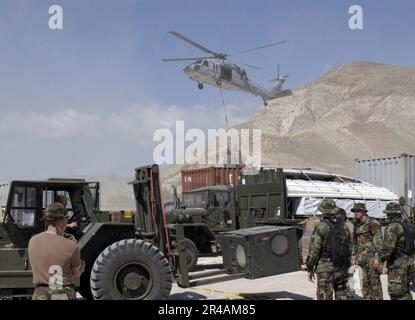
x=329 y=277
x=368 y=233
x=341 y=216
x=400 y=263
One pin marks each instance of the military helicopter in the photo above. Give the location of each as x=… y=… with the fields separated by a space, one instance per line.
x=217 y=70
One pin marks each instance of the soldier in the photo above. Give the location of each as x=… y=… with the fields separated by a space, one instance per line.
x=397 y=250
x=341 y=216
x=72 y=231
x=368 y=233
x=329 y=254
x=55 y=260
x=62 y=199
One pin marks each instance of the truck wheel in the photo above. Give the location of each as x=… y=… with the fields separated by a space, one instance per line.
x=191 y=251
x=131 y=270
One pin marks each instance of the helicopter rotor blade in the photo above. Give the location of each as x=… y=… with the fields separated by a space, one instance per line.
x=258 y=48
x=250 y=65
x=200 y=47
x=185 y=59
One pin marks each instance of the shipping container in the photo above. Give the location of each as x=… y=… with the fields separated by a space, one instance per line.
x=394 y=173
x=212 y=176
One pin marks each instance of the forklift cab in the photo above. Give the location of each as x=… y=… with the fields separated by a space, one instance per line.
x=27 y=201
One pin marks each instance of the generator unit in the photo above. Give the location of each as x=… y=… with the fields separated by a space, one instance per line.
x=260 y=251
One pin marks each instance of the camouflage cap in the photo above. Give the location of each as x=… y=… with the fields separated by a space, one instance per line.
x=393 y=208
x=55 y=211
x=359 y=207
x=328 y=206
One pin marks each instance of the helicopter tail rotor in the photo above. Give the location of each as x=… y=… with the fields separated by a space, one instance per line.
x=279 y=78
x=278 y=82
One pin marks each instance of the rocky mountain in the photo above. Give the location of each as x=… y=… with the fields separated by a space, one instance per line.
x=359 y=110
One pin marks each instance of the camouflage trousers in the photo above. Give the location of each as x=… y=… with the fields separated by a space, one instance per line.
x=66 y=293
x=371 y=284
x=329 y=283
x=400 y=274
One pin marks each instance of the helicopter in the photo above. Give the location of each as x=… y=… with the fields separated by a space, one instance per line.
x=217 y=70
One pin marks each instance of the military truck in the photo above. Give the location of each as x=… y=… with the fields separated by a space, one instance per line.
x=203 y=212
x=129 y=260
x=273 y=196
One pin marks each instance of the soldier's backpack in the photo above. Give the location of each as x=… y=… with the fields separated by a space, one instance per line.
x=409 y=237
x=338 y=244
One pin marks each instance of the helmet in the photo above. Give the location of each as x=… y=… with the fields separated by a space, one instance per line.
x=328 y=206
x=359 y=207
x=55 y=211
x=393 y=208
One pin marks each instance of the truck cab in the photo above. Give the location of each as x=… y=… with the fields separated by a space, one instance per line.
x=216 y=201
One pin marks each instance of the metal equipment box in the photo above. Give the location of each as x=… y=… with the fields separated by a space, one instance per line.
x=260 y=251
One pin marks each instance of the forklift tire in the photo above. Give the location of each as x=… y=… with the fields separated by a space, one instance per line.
x=131 y=270
x=192 y=255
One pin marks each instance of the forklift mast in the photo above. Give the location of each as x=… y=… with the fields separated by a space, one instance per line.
x=150 y=220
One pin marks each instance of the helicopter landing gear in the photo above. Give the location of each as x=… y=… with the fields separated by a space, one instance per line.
x=200 y=85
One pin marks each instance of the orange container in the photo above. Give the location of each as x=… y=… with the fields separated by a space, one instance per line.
x=212 y=176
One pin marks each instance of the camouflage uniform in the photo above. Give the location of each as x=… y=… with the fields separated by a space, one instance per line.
x=400 y=265
x=329 y=277
x=368 y=233
x=66 y=293
x=350 y=272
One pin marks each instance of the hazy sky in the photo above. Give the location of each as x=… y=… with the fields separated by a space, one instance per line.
x=87 y=99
